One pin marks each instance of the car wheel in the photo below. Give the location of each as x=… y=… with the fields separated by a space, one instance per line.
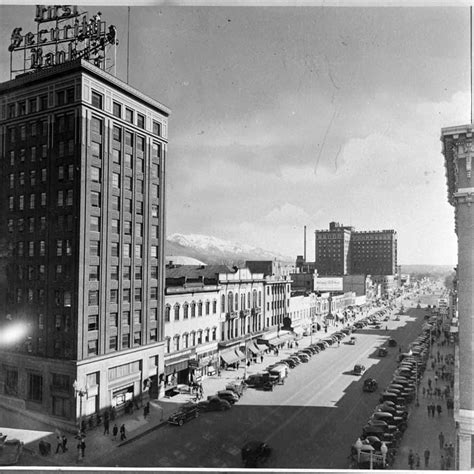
x=180 y=422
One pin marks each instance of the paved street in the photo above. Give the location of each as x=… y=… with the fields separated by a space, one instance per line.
x=310 y=422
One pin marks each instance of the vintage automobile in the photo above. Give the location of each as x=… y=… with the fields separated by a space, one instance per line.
x=236 y=387
x=382 y=352
x=352 y=340
x=255 y=453
x=370 y=385
x=392 y=342
x=358 y=369
x=228 y=395
x=186 y=413
x=214 y=403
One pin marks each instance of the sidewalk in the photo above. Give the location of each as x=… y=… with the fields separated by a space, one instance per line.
x=99 y=444
x=423 y=430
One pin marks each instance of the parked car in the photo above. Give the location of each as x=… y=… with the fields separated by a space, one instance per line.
x=370 y=385
x=382 y=352
x=302 y=356
x=228 y=395
x=214 y=403
x=358 y=369
x=291 y=363
x=392 y=342
x=186 y=413
x=255 y=453
x=237 y=387
x=352 y=340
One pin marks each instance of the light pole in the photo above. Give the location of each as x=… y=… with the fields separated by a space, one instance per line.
x=80 y=392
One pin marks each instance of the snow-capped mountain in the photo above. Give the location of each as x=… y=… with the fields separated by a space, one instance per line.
x=213 y=250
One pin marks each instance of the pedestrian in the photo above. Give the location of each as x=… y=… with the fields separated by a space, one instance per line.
x=261 y=359
x=427 y=457
x=448 y=463
x=428 y=407
x=411 y=459
x=59 y=443
x=436 y=379
x=429 y=383
x=423 y=391
x=441 y=440
x=83 y=447
x=115 y=431
x=439 y=409
x=145 y=412
x=417 y=461
x=106 y=426
x=122 y=433
x=442 y=463
x=64 y=443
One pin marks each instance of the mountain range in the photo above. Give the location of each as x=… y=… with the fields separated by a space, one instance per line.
x=211 y=250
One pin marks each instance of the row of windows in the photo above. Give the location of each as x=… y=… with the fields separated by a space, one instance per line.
x=37 y=272
x=233 y=301
x=126 y=292
x=191 y=339
x=125 y=113
x=95 y=249
x=190 y=310
x=30 y=295
x=93 y=319
x=93 y=345
x=19 y=156
x=94 y=272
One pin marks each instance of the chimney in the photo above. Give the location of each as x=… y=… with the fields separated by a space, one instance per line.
x=304 y=252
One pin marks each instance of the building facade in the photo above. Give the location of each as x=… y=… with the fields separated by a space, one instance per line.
x=342 y=251
x=458 y=147
x=83 y=200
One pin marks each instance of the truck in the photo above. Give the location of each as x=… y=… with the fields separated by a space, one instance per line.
x=264 y=380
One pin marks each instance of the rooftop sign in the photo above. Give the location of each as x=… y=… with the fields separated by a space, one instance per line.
x=63 y=34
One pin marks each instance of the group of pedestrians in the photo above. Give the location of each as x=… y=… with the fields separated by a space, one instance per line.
x=432 y=408
x=447 y=453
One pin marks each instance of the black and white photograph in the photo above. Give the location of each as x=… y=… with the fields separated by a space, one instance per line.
x=236 y=236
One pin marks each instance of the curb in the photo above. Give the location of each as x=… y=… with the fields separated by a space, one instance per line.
x=143 y=433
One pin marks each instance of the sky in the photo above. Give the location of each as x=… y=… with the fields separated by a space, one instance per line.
x=290 y=116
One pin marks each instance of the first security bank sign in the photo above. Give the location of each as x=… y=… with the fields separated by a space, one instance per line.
x=63 y=34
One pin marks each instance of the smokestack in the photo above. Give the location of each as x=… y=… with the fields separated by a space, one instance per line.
x=304 y=253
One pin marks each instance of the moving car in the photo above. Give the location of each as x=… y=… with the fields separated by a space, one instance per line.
x=255 y=453
x=214 y=403
x=370 y=385
x=392 y=342
x=186 y=413
x=358 y=369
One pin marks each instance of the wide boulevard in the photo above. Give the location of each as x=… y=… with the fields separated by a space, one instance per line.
x=310 y=422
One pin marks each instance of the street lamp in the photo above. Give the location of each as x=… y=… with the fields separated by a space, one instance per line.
x=80 y=392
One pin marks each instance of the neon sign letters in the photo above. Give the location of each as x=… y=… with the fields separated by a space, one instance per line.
x=71 y=36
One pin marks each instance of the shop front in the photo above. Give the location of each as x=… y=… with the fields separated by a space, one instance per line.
x=204 y=363
x=176 y=372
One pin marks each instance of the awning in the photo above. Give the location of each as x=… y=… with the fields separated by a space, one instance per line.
x=299 y=330
x=229 y=357
x=239 y=354
x=252 y=346
x=177 y=366
x=262 y=347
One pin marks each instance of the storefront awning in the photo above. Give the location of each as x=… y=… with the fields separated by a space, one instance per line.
x=262 y=347
x=252 y=348
x=176 y=365
x=240 y=355
x=299 y=330
x=229 y=357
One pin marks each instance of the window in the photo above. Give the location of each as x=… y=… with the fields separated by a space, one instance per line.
x=114 y=296
x=127 y=228
x=95 y=198
x=167 y=313
x=156 y=128
x=154 y=272
x=126 y=272
x=139 y=163
x=127 y=250
x=128 y=205
x=185 y=311
x=154 y=251
x=114 y=272
x=42 y=248
x=115 y=202
x=96 y=99
x=140 y=120
x=94 y=248
x=126 y=318
x=95 y=174
x=21 y=202
x=33 y=154
x=138 y=251
x=69 y=197
x=137 y=338
x=126 y=295
x=92 y=347
x=95 y=223
x=153 y=314
x=116 y=180
x=117 y=109
x=138 y=294
x=140 y=186
x=93 y=297
x=139 y=208
x=154 y=293
x=153 y=335
x=60 y=199
x=93 y=322
x=113 y=343
x=154 y=191
x=129 y=115
x=114 y=249
x=94 y=273
x=35 y=387
x=43 y=199
x=115 y=226
x=154 y=210
x=138 y=273
x=137 y=316
x=125 y=341
x=113 y=320
x=59 y=247
x=11 y=382
x=138 y=229
x=176 y=312
x=116 y=156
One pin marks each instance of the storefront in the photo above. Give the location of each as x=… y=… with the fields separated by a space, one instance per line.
x=205 y=362
x=176 y=371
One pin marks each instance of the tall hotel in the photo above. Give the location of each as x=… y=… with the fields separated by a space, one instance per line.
x=82 y=234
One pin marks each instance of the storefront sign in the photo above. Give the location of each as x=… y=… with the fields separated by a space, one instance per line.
x=69 y=36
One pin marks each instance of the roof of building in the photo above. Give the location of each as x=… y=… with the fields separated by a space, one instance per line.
x=197 y=271
x=182 y=260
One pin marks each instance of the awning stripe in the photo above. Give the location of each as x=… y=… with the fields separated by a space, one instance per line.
x=229 y=357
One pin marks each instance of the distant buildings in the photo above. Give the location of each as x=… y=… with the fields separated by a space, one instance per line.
x=343 y=251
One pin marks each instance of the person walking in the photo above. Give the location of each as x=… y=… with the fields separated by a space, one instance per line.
x=261 y=359
x=442 y=463
x=411 y=458
x=64 y=443
x=83 y=447
x=427 y=457
x=122 y=433
x=59 y=443
x=441 y=440
x=428 y=407
x=417 y=461
x=115 y=431
x=106 y=426
x=439 y=409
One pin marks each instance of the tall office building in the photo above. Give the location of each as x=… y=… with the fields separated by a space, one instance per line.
x=343 y=251
x=458 y=147
x=82 y=183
